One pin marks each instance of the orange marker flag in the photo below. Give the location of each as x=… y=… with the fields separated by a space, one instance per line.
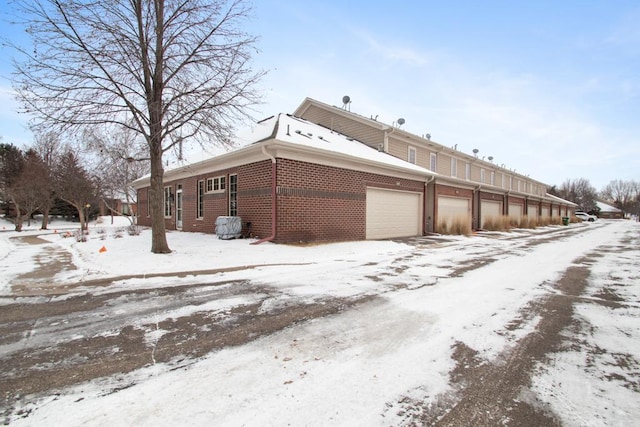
x=103 y=249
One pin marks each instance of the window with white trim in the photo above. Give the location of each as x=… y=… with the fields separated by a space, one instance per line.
x=200 y=200
x=454 y=167
x=433 y=162
x=217 y=184
x=510 y=183
x=168 y=194
x=233 y=195
x=467 y=171
x=482 y=176
x=411 y=155
x=493 y=178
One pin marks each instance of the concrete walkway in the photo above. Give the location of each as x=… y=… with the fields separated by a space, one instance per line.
x=50 y=260
x=53 y=259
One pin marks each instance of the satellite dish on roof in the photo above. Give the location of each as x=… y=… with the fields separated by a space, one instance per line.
x=400 y=121
x=346 y=100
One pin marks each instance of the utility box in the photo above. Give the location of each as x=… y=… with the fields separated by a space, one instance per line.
x=228 y=227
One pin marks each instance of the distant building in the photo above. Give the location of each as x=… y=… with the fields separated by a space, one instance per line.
x=609 y=211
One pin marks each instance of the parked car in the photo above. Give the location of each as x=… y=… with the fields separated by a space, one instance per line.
x=585 y=216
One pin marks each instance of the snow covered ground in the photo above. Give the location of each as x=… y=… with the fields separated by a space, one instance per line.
x=354 y=367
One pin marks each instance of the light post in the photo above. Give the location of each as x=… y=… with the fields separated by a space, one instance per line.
x=86 y=216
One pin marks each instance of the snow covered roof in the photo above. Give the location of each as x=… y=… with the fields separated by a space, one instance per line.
x=293 y=137
x=295 y=130
x=605 y=207
x=560 y=200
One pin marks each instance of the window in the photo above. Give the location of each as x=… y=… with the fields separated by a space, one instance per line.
x=233 y=195
x=493 y=178
x=482 y=176
x=467 y=171
x=454 y=167
x=216 y=185
x=411 y=156
x=502 y=180
x=510 y=183
x=519 y=185
x=168 y=195
x=433 y=162
x=200 y=200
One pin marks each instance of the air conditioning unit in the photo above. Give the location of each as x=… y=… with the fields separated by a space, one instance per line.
x=228 y=227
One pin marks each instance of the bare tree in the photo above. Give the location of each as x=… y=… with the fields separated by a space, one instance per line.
x=580 y=192
x=623 y=194
x=30 y=189
x=167 y=69
x=116 y=153
x=75 y=186
x=50 y=149
x=11 y=164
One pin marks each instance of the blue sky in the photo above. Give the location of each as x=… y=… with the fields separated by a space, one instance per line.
x=550 y=89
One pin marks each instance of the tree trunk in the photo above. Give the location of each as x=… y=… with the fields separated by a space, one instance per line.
x=45 y=219
x=18 y=222
x=159 y=243
x=81 y=217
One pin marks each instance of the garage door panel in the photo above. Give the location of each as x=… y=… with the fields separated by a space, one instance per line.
x=490 y=209
x=515 y=210
x=451 y=209
x=392 y=213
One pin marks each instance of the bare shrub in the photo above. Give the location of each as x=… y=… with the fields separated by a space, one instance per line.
x=497 y=223
x=134 y=230
x=459 y=226
x=80 y=236
x=443 y=227
x=555 y=220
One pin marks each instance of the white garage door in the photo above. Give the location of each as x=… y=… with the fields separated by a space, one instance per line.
x=452 y=209
x=392 y=213
x=490 y=209
x=545 y=212
x=532 y=211
x=515 y=210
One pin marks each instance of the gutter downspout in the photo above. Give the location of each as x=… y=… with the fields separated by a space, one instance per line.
x=274 y=200
x=478 y=208
x=385 y=143
x=426 y=220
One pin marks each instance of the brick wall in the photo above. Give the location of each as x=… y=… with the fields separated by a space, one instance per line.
x=315 y=202
x=323 y=203
x=445 y=190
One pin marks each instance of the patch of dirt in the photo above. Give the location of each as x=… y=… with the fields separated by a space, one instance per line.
x=495 y=392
